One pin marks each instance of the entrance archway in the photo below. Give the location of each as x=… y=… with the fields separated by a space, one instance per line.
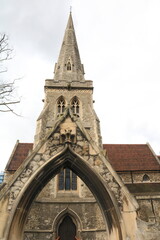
x=67 y=229
x=67 y=158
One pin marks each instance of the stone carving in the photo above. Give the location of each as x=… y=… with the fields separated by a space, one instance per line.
x=82 y=148
x=66 y=133
x=34 y=164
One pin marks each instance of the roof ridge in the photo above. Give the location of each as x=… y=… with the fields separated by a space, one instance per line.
x=24 y=143
x=145 y=144
x=156 y=157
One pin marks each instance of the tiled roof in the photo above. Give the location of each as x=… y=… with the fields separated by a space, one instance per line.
x=131 y=157
x=20 y=152
x=123 y=157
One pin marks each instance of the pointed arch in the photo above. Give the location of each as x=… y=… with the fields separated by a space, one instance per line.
x=69 y=67
x=67 y=229
x=67 y=158
x=145 y=178
x=75 y=105
x=61 y=104
x=69 y=64
x=75 y=218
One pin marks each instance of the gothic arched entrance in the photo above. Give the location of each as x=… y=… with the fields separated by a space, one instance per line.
x=67 y=158
x=67 y=229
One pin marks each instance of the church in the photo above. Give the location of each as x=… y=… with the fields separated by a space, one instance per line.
x=68 y=185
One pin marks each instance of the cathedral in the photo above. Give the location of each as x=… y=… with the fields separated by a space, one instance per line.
x=68 y=185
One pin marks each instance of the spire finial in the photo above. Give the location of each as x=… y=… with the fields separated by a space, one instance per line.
x=70 y=9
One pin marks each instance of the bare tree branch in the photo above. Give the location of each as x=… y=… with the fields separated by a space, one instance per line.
x=10 y=110
x=8 y=97
x=5 y=50
x=9 y=103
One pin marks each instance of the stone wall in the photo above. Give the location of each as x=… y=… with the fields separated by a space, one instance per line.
x=137 y=177
x=147 y=193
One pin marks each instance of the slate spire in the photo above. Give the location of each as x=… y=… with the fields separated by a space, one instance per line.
x=69 y=67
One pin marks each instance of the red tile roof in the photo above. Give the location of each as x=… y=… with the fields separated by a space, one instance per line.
x=123 y=157
x=20 y=152
x=131 y=157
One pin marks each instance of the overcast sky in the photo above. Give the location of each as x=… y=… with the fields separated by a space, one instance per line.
x=119 y=44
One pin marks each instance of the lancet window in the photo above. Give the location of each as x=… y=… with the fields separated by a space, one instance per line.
x=67 y=180
x=61 y=105
x=69 y=66
x=75 y=105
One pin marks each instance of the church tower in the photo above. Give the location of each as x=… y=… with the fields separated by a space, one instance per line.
x=66 y=189
x=69 y=90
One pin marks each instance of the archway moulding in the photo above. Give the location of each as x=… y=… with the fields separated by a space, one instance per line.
x=84 y=158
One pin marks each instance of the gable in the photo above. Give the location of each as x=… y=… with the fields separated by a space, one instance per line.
x=20 y=152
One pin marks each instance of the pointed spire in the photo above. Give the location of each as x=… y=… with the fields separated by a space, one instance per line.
x=69 y=67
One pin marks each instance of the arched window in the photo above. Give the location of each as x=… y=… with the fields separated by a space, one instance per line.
x=146 y=178
x=67 y=229
x=69 y=66
x=75 y=105
x=61 y=105
x=67 y=180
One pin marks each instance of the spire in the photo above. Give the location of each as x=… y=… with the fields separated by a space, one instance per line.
x=69 y=67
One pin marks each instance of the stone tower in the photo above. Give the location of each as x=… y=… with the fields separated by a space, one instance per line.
x=66 y=188
x=68 y=90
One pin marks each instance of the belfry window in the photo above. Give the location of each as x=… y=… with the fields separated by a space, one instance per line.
x=69 y=66
x=67 y=180
x=75 y=105
x=61 y=105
